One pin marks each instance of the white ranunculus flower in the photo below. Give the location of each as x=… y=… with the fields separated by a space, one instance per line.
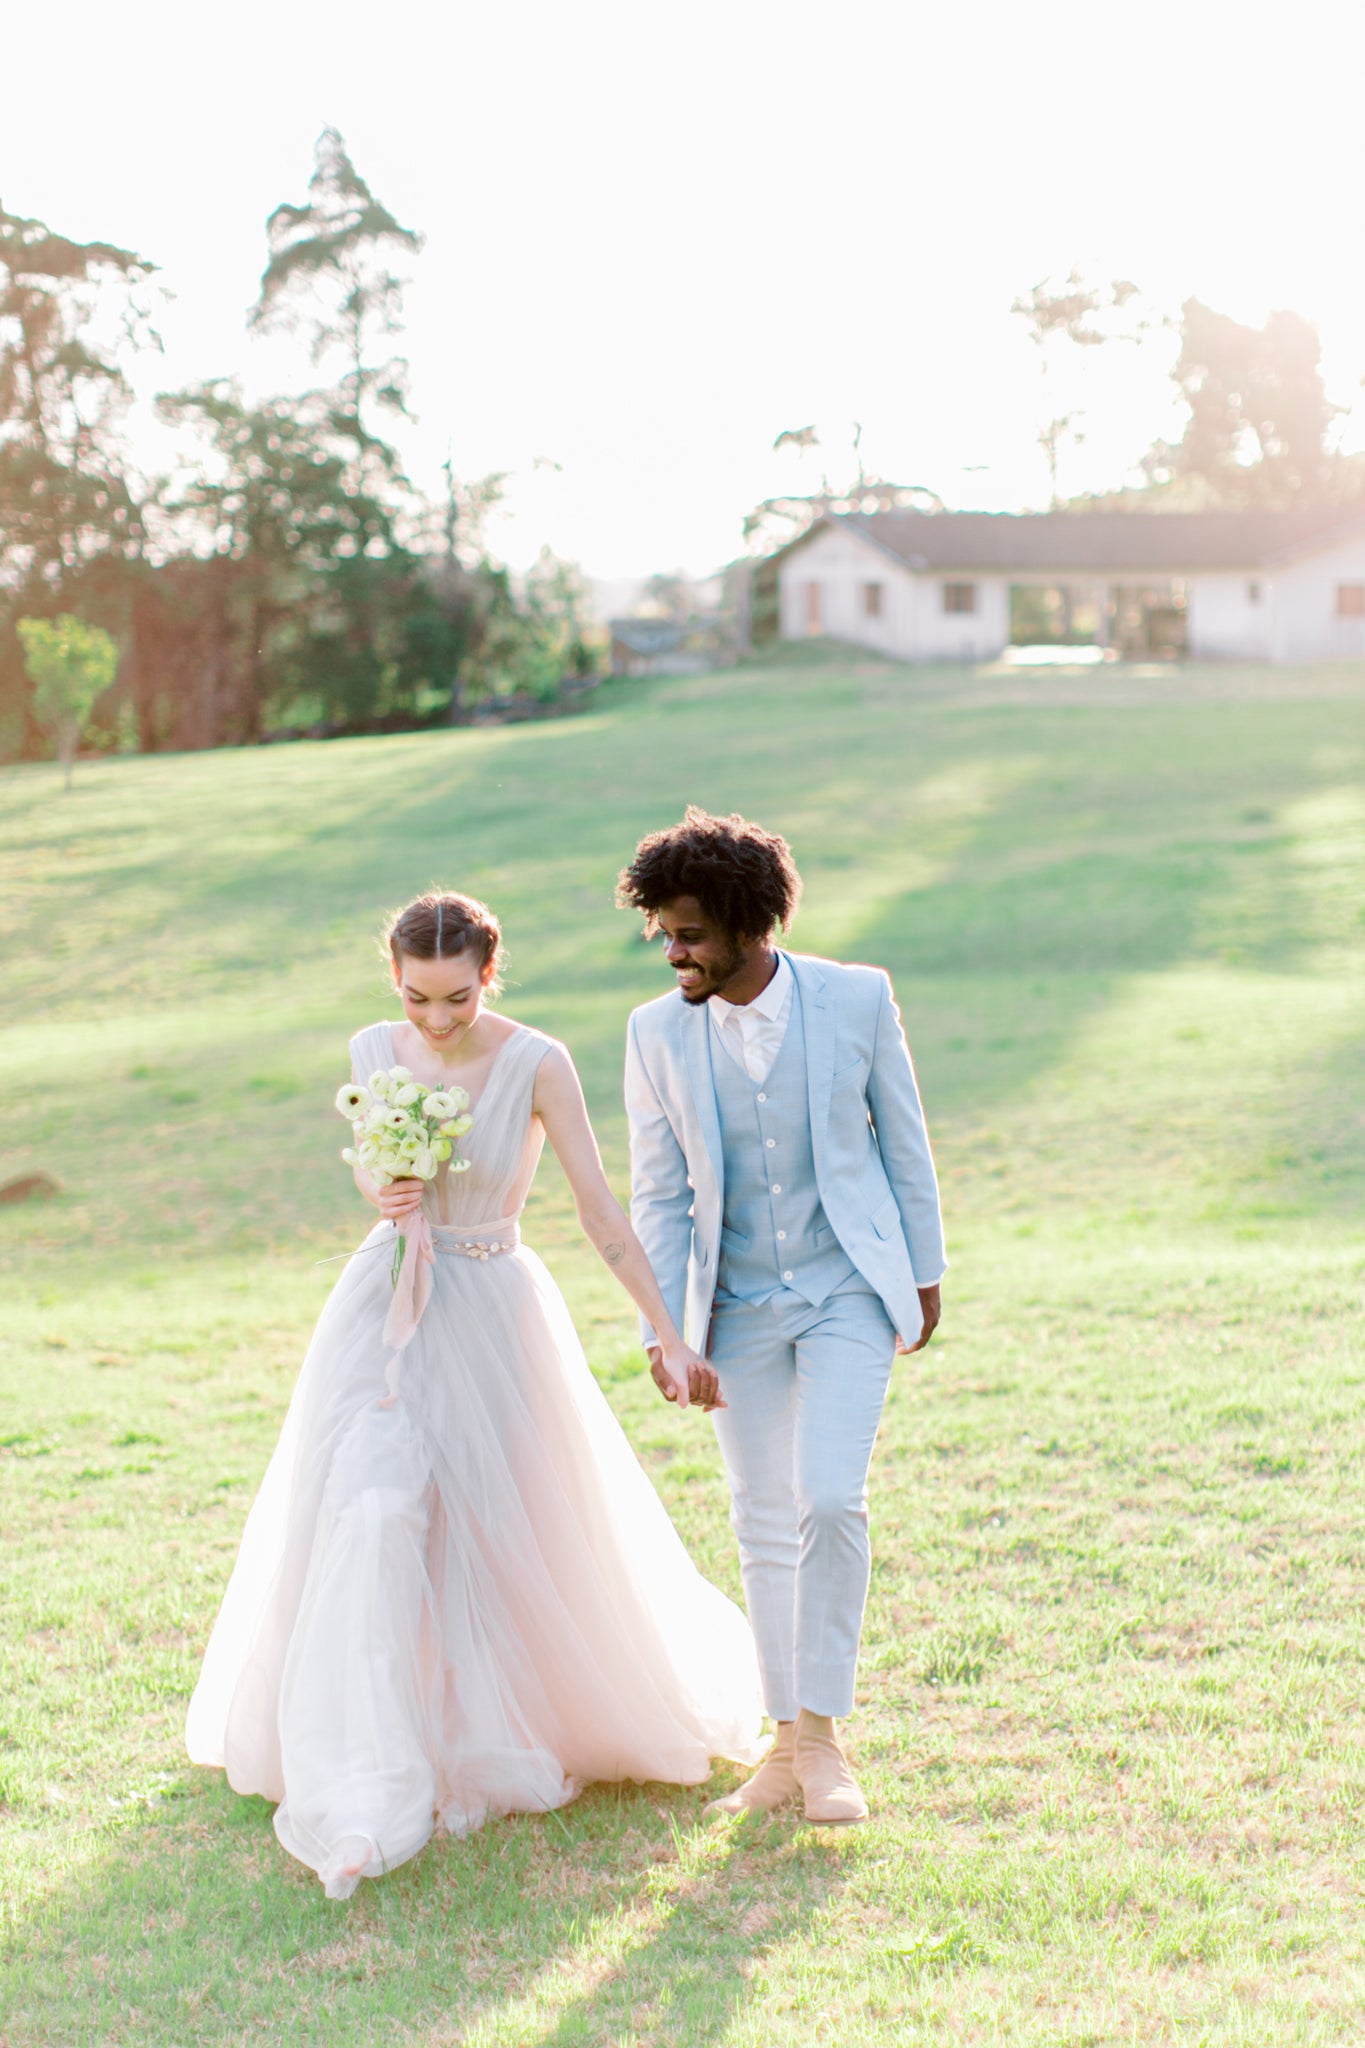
x=379 y=1086
x=400 y=1076
x=459 y=1097
x=350 y=1155
x=461 y=1125
x=407 y=1095
x=395 y=1120
x=424 y=1165
x=460 y=1165
x=353 y=1100
x=439 y=1104
x=376 y=1116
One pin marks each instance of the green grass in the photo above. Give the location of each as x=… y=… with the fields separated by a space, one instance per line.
x=1110 y=1713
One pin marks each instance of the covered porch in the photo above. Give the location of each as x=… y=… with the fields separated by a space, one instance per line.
x=1146 y=620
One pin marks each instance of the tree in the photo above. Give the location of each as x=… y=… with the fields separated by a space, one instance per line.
x=1086 y=315
x=777 y=521
x=272 y=511
x=70 y=516
x=527 y=648
x=1259 y=416
x=70 y=664
x=557 y=598
x=66 y=311
x=669 y=595
x=329 y=274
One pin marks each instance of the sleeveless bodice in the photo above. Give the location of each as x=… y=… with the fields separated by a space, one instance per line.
x=503 y=1147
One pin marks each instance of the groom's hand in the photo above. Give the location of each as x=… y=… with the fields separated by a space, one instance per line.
x=931 y=1308
x=703 y=1387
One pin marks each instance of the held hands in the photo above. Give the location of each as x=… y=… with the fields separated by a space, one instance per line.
x=931 y=1308
x=400 y=1199
x=682 y=1376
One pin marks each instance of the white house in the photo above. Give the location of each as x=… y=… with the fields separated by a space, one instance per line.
x=964 y=586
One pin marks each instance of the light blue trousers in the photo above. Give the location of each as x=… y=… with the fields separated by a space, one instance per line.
x=805 y=1388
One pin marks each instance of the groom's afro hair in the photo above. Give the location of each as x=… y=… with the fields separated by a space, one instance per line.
x=743 y=877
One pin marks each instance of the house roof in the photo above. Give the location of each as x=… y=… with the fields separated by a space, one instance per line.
x=652 y=636
x=1170 y=543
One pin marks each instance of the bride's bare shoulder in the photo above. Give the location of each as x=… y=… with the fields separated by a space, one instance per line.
x=556 y=1075
x=532 y=1033
x=372 y=1035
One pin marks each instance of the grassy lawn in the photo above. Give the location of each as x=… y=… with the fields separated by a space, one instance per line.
x=1111 y=1702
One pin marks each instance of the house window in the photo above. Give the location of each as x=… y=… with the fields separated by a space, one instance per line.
x=872 y=600
x=1254 y=590
x=959 y=597
x=812 y=608
x=1351 y=600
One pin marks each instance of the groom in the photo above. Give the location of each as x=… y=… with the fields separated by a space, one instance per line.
x=784 y=1189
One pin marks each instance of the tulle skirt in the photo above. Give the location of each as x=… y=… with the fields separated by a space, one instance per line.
x=467 y=1602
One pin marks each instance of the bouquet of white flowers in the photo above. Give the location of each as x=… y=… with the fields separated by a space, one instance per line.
x=403 y=1130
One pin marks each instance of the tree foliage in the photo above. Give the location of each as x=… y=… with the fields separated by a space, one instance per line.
x=271 y=510
x=783 y=518
x=71 y=665
x=71 y=516
x=328 y=275
x=1084 y=314
x=67 y=312
x=1259 y=419
x=288 y=577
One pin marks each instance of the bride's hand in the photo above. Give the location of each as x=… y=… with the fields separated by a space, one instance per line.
x=683 y=1376
x=400 y=1198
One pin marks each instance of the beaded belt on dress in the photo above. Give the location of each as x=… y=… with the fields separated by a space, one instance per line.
x=503 y=1236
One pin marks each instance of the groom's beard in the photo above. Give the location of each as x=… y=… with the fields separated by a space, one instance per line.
x=715 y=978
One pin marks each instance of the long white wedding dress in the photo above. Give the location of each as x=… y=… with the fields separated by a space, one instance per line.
x=468 y=1601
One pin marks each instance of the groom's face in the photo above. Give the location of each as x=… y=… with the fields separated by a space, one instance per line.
x=703 y=956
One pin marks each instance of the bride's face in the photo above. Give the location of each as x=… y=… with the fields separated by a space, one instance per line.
x=441 y=998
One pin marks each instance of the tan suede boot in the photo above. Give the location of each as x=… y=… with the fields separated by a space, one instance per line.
x=772 y=1784
x=828 y=1786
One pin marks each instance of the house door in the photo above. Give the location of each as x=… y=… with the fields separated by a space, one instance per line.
x=813 y=623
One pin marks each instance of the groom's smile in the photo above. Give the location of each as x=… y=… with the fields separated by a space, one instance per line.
x=709 y=961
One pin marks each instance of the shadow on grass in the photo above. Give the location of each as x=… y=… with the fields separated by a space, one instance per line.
x=1088 y=844
x=627 y=1914
x=754 y=1888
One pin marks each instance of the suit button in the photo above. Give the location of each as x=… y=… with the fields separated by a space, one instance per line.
x=780 y=1235
x=770 y=1143
x=762 y=1098
x=786 y=1276
x=777 y=1188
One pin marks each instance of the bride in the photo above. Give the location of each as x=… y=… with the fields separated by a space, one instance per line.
x=458 y=1594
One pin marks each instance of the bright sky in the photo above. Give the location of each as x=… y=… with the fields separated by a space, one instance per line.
x=657 y=236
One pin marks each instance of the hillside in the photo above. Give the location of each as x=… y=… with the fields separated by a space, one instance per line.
x=1110 y=1710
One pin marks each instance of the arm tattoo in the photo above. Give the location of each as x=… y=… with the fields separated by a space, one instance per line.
x=613 y=1253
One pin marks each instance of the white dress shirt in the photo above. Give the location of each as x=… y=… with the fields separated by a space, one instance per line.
x=752 y=1033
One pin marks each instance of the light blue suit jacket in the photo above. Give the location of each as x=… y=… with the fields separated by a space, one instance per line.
x=873 y=1165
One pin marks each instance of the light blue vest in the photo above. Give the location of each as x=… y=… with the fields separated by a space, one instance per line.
x=773 y=1231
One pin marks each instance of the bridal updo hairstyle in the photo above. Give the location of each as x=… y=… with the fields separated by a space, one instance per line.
x=437 y=926
x=743 y=877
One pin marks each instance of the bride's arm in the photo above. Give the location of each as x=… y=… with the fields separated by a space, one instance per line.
x=558 y=1102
